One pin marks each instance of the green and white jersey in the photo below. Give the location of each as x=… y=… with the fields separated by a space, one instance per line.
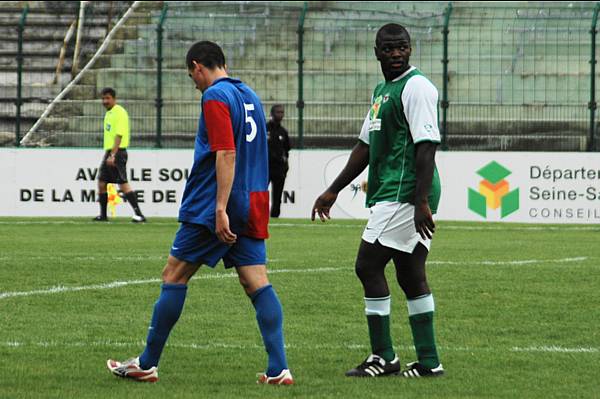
x=403 y=113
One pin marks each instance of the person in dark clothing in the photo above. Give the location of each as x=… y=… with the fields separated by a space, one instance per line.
x=279 y=150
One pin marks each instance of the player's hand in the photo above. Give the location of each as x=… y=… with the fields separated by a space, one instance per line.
x=322 y=205
x=424 y=220
x=224 y=234
x=110 y=161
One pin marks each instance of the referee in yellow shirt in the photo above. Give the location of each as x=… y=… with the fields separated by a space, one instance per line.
x=114 y=163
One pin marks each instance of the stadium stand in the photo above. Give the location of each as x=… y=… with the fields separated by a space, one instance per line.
x=47 y=23
x=518 y=74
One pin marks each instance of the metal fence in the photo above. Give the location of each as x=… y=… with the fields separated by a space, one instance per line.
x=41 y=48
x=524 y=80
x=511 y=77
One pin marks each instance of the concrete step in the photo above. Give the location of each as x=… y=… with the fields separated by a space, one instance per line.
x=32 y=77
x=252 y=57
x=322 y=125
x=38 y=20
x=517 y=143
x=49 y=33
x=36 y=90
x=31 y=46
x=94 y=109
x=36 y=61
x=84 y=92
x=312 y=140
x=508 y=127
x=8 y=124
x=334 y=85
x=483 y=142
x=34 y=54
x=28 y=110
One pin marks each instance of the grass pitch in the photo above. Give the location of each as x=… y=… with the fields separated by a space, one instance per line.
x=517 y=313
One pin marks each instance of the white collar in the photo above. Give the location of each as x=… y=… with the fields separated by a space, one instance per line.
x=409 y=70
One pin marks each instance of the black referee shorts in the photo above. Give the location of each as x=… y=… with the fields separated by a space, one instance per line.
x=116 y=174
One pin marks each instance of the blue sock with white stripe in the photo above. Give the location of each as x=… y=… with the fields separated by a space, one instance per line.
x=167 y=310
x=270 y=322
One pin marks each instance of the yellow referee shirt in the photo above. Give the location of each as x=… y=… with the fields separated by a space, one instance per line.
x=116 y=123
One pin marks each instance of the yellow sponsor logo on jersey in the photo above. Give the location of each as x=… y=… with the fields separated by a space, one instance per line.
x=374 y=122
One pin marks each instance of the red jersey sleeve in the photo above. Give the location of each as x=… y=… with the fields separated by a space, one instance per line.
x=218 y=125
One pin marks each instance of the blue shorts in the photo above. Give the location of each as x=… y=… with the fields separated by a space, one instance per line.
x=196 y=244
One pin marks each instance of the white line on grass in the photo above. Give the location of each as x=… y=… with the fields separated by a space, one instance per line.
x=163 y=258
x=317 y=224
x=222 y=345
x=449 y=226
x=60 y=288
x=509 y=262
x=75 y=258
x=554 y=349
x=116 y=284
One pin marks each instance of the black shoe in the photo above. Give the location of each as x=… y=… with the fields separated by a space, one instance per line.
x=416 y=370
x=138 y=219
x=100 y=219
x=375 y=366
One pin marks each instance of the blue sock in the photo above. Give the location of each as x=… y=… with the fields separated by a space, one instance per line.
x=166 y=313
x=270 y=321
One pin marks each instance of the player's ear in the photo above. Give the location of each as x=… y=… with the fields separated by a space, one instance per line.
x=376 y=50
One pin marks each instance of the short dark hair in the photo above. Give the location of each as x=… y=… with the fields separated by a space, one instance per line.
x=206 y=53
x=275 y=106
x=390 y=30
x=109 y=90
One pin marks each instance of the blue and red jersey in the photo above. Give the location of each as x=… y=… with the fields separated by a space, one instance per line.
x=232 y=119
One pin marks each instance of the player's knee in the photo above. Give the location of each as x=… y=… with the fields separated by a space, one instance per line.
x=415 y=289
x=168 y=274
x=251 y=285
x=245 y=283
x=177 y=272
x=365 y=267
x=361 y=270
x=368 y=273
x=252 y=278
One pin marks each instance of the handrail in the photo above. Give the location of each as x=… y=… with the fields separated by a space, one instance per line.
x=78 y=38
x=77 y=78
x=63 y=52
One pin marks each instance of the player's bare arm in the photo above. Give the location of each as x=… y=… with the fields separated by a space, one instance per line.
x=225 y=165
x=358 y=161
x=113 y=152
x=425 y=165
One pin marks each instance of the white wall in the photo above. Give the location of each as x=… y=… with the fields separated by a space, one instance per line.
x=553 y=187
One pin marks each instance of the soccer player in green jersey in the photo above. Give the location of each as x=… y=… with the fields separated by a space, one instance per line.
x=397 y=141
x=113 y=168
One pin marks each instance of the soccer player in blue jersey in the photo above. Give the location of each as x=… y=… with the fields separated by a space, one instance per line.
x=224 y=214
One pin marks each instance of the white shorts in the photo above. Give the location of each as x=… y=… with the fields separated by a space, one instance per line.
x=393 y=225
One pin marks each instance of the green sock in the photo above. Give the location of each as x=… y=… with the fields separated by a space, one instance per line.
x=420 y=312
x=378 y=319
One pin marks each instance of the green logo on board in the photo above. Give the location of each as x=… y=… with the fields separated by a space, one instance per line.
x=494 y=192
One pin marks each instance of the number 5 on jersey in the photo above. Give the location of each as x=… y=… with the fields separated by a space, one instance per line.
x=250 y=120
